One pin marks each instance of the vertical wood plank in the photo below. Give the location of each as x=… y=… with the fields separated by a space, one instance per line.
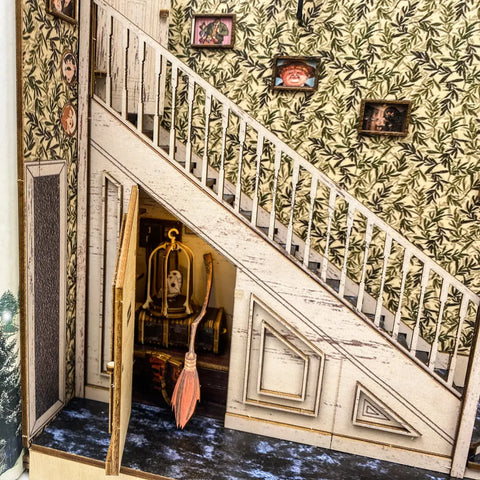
x=190 y=98
x=295 y=175
x=434 y=347
x=238 y=189
x=171 y=149
x=141 y=91
x=259 y=154
x=108 y=83
x=386 y=256
x=331 y=209
x=343 y=275
x=361 y=288
x=276 y=169
x=461 y=320
x=407 y=255
x=308 y=240
x=221 y=174
x=208 y=110
x=126 y=46
x=416 y=329
x=156 y=115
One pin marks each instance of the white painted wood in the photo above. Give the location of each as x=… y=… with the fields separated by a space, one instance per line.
x=350 y=218
x=434 y=347
x=454 y=358
x=238 y=189
x=208 y=110
x=313 y=197
x=386 y=256
x=423 y=287
x=361 y=288
x=259 y=153
x=188 y=152
x=295 y=175
x=331 y=209
x=172 y=140
x=276 y=169
x=221 y=174
x=407 y=255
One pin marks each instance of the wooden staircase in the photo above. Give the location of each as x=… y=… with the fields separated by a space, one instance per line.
x=280 y=196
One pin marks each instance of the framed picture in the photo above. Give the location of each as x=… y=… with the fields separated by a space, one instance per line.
x=69 y=119
x=68 y=68
x=213 y=30
x=295 y=73
x=385 y=117
x=65 y=9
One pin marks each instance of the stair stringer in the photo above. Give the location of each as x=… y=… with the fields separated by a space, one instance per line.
x=353 y=350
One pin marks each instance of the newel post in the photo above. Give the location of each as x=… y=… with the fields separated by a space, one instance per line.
x=469 y=407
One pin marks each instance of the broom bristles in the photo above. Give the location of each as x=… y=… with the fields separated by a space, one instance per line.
x=187 y=391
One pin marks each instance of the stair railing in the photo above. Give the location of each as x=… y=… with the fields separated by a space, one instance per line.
x=144 y=81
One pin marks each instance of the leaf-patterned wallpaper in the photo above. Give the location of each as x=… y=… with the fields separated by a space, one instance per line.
x=426 y=185
x=44 y=40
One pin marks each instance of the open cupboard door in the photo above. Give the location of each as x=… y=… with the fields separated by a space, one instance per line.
x=123 y=336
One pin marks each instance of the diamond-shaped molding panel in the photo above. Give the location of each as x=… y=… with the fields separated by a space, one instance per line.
x=283 y=370
x=369 y=411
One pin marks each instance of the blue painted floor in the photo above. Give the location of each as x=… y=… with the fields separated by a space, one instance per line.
x=206 y=450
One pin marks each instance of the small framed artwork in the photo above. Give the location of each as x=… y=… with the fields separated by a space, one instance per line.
x=65 y=9
x=385 y=117
x=295 y=73
x=68 y=68
x=213 y=30
x=69 y=119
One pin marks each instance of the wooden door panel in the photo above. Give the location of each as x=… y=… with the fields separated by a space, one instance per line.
x=123 y=336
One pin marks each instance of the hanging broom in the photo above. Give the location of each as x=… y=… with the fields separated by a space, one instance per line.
x=187 y=389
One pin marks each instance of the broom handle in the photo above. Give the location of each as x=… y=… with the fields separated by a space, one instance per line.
x=207 y=258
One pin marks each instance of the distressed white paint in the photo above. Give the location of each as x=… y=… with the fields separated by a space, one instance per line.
x=355 y=352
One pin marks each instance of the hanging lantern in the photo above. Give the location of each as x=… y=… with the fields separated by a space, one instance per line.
x=170 y=279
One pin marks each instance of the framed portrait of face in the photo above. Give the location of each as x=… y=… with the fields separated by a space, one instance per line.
x=295 y=73
x=68 y=68
x=69 y=119
x=213 y=31
x=64 y=9
x=384 y=117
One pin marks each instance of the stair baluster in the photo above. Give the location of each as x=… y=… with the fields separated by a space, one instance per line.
x=238 y=189
x=454 y=356
x=172 y=141
x=126 y=46
x=276 y=168
x=416 y=330
x=260 y=140
x=159 y=59
x=434 y=347
x=190 y=97
x=331 y=211
x=141 y=94
x=361 y=288
x=308 y=240
x=221 y=173
x=295 y=175
x=108 y=84
x=386 y=256
x=343 y=276
x=407 y=255
x=208 y=111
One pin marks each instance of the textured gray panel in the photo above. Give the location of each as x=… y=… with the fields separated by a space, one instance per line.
x=47 y=290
